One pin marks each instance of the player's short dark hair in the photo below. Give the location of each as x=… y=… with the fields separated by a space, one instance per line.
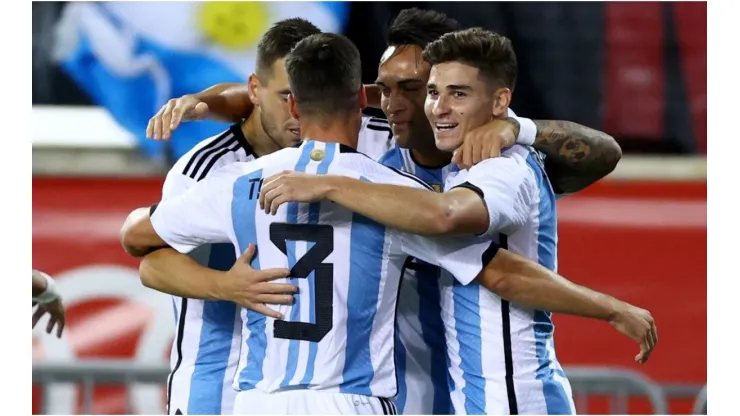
x=325 y=74
x=490 y=52
x=419 y=27
x=280 y=39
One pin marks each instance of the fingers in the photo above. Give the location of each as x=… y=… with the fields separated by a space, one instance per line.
x=60 y=327
x=274 y=274
x=36 y=316
x=246 y=257
x=456 y=157
x=268 y=185
x=491 y=151
x=278 y=288
x=264 y=310
x=276 y=299
x=154 y=127
x=467 y=155
x=167 y=120
x=476 y=151
x=51 y=323
x=278 y=201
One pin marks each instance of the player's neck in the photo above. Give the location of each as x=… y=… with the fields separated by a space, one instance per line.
x=430 y=157
x=342 y=130
x=255 y=134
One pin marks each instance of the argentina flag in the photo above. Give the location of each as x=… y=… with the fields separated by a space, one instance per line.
x=131 y=57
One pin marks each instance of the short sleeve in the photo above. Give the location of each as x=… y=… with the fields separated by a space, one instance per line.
x=200 y=215
x=176 y=183
x=507 y=187
x=463 y=257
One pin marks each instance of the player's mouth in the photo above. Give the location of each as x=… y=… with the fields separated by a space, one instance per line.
x=296 y=133
x=445 y=129
x=400 y=125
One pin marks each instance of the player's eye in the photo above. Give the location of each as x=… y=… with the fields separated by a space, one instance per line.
x=385 y=91
x=459 y=94
x=432 y=93
x=284 y=97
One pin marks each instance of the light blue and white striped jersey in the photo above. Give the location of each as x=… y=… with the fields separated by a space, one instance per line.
x=205 y=350
x=338 y=334
x=502 y=355
x=421 y=350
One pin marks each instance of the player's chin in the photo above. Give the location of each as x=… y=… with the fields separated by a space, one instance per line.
x=447 y=142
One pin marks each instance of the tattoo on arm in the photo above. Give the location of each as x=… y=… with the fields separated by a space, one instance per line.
x=577 y=156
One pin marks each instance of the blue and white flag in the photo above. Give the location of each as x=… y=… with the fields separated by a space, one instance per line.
x=131 y=57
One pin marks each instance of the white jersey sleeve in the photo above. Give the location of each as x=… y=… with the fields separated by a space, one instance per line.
x=463 y=257
x=200 y=215
x=508 y=188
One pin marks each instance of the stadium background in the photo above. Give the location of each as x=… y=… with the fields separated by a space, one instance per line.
x=634 y=70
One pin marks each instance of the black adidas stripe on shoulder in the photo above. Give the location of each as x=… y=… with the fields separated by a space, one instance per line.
x=378 y=124
x=419 y=181
x=223 y=141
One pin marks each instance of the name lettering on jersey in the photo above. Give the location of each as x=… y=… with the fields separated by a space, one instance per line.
x=256 y=185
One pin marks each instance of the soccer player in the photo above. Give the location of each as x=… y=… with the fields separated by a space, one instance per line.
x=205 y=349
x=576 y=157
x=333 y=354
x=48 y=300
x=502 y=357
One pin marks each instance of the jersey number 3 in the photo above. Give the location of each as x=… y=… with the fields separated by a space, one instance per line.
x=312 y=261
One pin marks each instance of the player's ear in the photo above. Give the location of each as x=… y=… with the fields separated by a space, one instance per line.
x=293 y=107
x=362 y=96
x=254 y=85
x=501 y=101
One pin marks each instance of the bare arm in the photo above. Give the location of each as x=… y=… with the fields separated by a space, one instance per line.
x=38 y=283
x=521 y=281
x=138 y=236
x=417 y=211
x=227 y=102
x=168 y=271
x=577 y=156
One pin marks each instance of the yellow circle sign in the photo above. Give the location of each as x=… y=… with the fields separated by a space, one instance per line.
x=233 y=25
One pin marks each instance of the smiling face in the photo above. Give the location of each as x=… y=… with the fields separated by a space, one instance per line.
x=457 y=101
x=402 y=79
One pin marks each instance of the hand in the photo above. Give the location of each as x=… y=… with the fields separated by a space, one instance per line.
x=290 y=186
x=639 y=325
x=55 y=309
x=252 y=288
x=485 y=142
x=168 y=118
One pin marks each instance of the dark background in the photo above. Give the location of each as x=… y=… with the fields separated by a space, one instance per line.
x=634 y=70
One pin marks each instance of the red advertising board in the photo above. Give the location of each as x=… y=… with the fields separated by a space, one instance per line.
x=644 y=242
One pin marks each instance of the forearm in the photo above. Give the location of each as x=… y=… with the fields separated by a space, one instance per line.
x=524 y=282
x=138 y=237
x=412 y=210
x=38 y=283
x=577 y=156
x=168 y=271
x=228 y=102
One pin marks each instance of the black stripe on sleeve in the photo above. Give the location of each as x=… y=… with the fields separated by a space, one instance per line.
x=419 y=181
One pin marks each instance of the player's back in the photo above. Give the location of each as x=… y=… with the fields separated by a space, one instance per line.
x=338 y=335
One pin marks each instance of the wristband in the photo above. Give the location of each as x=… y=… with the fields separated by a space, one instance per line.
x=50 y=294
x=527 y=131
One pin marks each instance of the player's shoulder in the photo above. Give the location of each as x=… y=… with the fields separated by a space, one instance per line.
x=375 y=137
x=387 y=174
x=212 y=153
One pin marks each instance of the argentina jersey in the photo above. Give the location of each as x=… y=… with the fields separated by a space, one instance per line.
x=337 y=336
x=421 y=351
x=502 y=355
x=206 y=347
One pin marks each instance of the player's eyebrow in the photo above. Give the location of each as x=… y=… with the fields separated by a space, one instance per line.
x=402 y=82
x=284 y=91
x=459 y=87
